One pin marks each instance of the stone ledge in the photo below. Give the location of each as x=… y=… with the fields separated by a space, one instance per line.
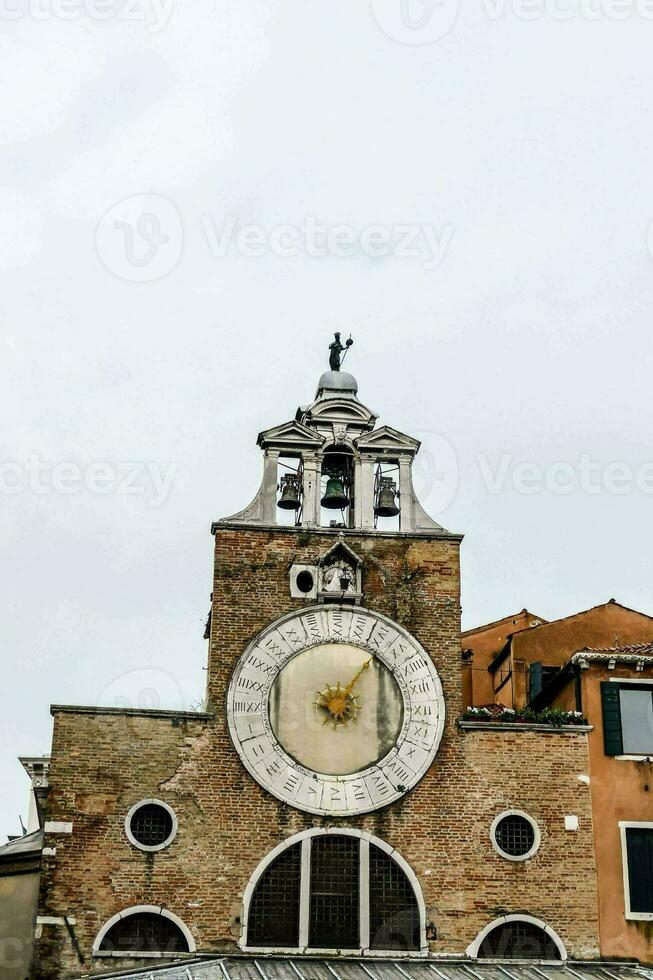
x=87 y=709
x=521 y=726
x=133 y=954
x=364 y=532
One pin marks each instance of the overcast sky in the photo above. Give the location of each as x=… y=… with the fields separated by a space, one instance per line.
x=468 y=192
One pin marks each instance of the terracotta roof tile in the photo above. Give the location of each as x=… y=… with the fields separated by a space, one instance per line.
x=631 y=649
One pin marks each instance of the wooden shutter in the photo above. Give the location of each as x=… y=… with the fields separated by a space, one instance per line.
x=611 y=718
x=639 y=846
x=534 y=679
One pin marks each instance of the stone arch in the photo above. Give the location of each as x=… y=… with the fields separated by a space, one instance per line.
x=474 y=947
x=304 y=839
x=140 y=910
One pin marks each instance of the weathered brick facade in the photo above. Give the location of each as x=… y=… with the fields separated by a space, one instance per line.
x=103 y=762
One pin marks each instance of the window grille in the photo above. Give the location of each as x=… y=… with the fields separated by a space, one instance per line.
x=518 y=940
x=394 y=916
x=145 y=932
x=333 y=921
x=329 y=905
x=514 y=835
x=151 y=825
x=274 y=908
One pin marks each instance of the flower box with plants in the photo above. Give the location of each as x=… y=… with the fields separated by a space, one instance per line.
x=556 y=717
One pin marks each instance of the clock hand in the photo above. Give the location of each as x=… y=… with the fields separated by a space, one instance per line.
x=339 y=702
x=354 y=680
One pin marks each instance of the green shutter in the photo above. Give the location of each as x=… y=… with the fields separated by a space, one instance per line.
x=611 y=718
x=639 y=846
x=535 y=676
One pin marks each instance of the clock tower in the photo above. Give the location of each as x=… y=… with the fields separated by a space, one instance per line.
x=334 y=668
x=331 y=581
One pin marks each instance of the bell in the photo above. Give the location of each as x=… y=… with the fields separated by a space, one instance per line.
x=289 y=499
x=386 y=503
x=335 y=497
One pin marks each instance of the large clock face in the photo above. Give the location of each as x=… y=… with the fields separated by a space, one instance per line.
x=336 y=710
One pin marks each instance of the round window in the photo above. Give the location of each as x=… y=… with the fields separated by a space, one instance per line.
x=151 y=825
x=305 y=582
x=515 y=835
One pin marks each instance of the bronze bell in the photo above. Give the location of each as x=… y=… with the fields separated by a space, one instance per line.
x=335 y=497
x=289 y=499
x=386 y=503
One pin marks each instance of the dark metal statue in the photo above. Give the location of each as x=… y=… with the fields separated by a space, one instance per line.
x=336 y=350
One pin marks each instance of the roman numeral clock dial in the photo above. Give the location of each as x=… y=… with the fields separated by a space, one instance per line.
x=335 y=710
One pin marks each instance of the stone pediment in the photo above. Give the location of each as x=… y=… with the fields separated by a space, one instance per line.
x=290 y=434
x=387 y=439
x=340 y=575
x=340 y=551
x=344 y=410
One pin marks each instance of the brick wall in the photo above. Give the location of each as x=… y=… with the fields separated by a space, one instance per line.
x=103 y=764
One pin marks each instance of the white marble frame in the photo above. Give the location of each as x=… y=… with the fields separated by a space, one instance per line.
x=151 y=847
x=474 y=947
x=624 y=826
x=305 y=837
x=537 y=836
x=142 y=954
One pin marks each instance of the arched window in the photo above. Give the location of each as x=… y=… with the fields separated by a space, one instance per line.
x=343 y=890
x=144 y=930
x=518 y=937
x=394 y=915
x=274 y=908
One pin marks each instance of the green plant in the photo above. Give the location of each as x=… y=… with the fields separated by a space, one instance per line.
x=557 y=717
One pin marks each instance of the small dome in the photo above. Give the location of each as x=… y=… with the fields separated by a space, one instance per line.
x=337 y=381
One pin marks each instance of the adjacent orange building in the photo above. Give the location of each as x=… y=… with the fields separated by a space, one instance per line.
x=598 y=662
x=615 y=690
x=510 y=661
x=485 y=645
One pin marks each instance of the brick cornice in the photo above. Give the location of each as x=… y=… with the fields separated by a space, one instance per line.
x=87 y=709
x=524 y=726
x=334 y=532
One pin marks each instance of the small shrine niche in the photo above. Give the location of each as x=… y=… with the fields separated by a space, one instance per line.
x=340 y=576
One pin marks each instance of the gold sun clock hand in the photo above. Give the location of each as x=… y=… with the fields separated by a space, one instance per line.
x=340 y=704
x=354 y=679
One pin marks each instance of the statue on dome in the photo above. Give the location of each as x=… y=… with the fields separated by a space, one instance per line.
x=336 y=350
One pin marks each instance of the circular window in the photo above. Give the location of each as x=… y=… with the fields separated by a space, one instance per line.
x=151 y=825
x=305 y=582
x=515 y=835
